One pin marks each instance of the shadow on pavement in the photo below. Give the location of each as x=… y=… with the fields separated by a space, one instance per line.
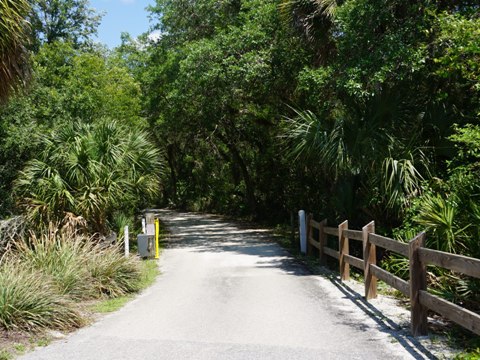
x=213 y=234
x=399 y=333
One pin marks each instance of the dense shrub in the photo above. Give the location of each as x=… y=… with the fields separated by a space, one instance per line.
x=43 y=277
x=29 y=300
x=80 y=267
x=60 y=258
x=112 y=274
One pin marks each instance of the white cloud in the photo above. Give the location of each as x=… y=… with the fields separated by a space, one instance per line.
x=127 y=2
x=155 y=35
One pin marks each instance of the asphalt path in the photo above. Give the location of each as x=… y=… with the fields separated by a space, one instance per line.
x=227 y=292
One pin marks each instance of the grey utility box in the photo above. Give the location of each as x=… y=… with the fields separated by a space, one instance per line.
x=146 y=245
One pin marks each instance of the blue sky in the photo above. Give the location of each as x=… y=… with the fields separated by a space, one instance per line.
x=121 y=15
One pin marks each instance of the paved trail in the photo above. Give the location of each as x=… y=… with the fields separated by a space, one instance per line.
x=227 y=293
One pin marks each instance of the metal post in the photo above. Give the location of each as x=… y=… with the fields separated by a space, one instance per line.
x=303 y=231
x=157 y=234
x=127 y=244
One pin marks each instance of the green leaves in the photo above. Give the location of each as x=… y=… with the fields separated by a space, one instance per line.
x=14 y=67
x=29 y=300
x=402 y=179
x=68 y=85
x=91 y=171
x=439 y=216
x=380 y=43
x=215 y=91
x=63 y=20
x=309 y=139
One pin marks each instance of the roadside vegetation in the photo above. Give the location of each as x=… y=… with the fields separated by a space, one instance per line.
x=149 y=271
x=77 y=164
x=349 y=109
x=56 y=281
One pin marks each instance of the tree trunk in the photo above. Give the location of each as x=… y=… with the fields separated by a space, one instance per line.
x=249 y=187
x=173 y=173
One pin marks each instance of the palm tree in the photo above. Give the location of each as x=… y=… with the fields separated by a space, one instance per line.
x=314 y=20
x=91 y=171
x=361 y=154
x=13 y=54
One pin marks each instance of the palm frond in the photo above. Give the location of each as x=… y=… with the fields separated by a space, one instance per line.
x=308 y=15
x=438 y=215
x=402 y=180
x=90 y=171
x=13 y=54
x=307 y=138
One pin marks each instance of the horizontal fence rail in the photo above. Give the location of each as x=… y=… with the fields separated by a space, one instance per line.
x=459 y=263
x=353 y=234
x=418 y=258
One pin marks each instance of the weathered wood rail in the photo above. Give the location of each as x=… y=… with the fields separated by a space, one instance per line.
x=418 y=257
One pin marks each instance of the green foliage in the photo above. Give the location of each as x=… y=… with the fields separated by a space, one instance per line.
x=458 y=53
x=87 y=84
x=402 y=180
x=68 y=86
x=214 y=96
x=67 y=20
x=91 y=171
x=185 y=20
x=79 y=267
x=310 y=139
x=380 y=43
x=475 y=354
x=5 y=355
x=149 y=272
x=120 y=220
x=13 y=55
x=29 y=300
x=448 y=210
x=61 y=259
x=43 y=277
x=370 y=77
x=111 y=305
x=467 y=140
x=77 y=161
x=438 y=216
x=113 y=274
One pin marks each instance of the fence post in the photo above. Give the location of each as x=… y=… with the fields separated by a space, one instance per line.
x=418 y=281
x=322 y=239
x=309 y=234
x=127 y=244
x=343 y=249
x=369 y=257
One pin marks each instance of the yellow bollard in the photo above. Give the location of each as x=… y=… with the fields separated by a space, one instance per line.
x=157 y=234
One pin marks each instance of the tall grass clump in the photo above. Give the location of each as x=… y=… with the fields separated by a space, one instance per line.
x=43 y=277
x=60 y=258
x=112 y=274
x=80 y=267
x=29 y=300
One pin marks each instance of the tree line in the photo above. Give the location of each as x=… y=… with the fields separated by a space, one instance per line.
x=74 y=140
x=358 y=109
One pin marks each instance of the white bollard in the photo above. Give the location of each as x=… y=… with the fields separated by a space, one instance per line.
x=303 y=231
x=144 y=225
x=127 y=244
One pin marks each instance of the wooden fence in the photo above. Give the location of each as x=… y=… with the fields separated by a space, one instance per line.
x=419 y=257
